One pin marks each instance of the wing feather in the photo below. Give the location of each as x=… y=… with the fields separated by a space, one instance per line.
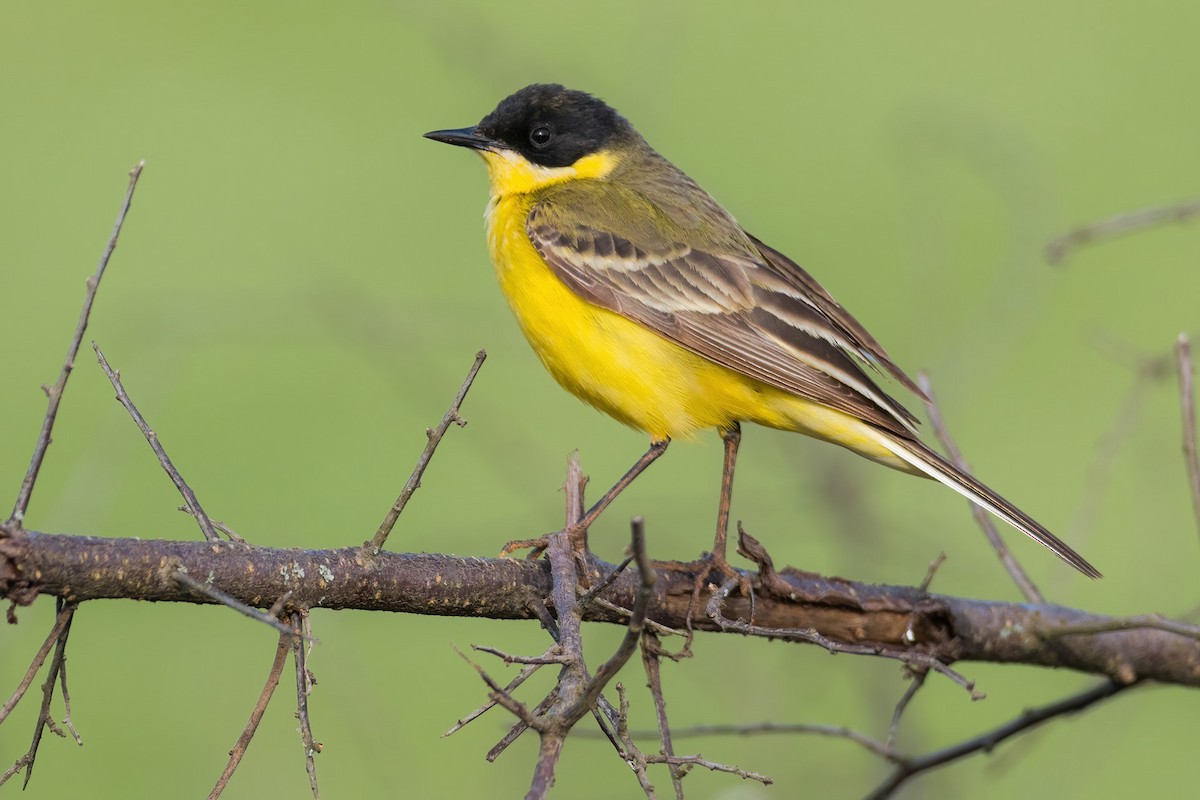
x=750 y=310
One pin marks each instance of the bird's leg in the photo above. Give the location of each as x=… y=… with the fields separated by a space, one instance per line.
x=732 y=436
x=657 y=448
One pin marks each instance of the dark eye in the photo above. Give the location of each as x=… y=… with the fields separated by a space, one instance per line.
x=541 y=136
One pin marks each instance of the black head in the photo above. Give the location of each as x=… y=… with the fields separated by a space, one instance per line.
x=546 y=123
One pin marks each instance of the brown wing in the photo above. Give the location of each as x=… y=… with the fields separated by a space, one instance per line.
x=864 y=343
x=731 y=307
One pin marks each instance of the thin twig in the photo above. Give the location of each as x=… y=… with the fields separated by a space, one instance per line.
x=918 y=680
x=987 y=741
x=934 y=566
x=1118 y=225
x=39 y=658
x=304 y=684
x=256 y=715
x=224 y=599
x=1187 y=406
x=434 y=435
x=549 y=657
x=44 y=719
x=522 y=676
x=982 y=518
x=189 y=497
x=653 y=667
x=785 y=728
x=55 y=392
x=66 y=696
x=699 y=761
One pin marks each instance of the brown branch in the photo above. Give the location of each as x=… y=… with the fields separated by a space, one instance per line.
x=55 y=392
x=256 y=715
x=956 y=629
x=434 y=435
x=1119 y=225
x=982 y=518
x=189 y=497
x=987 y=741
x=1187 y=407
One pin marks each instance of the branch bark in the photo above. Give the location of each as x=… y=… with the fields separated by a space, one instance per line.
x=80 y=568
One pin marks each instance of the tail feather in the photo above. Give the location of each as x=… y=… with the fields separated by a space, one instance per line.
x=930 y=463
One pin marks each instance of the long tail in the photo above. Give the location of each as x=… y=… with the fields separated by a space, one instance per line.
x=930 y=463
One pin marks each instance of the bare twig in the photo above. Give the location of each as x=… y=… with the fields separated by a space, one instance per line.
x=934 y=566
x=434 y=435
x=304 y=684
x=39 y=658
x=522 y=676
x=700 y=761
x=66 y=612
x=918 y=680
x=189 y=497
x=652 y=664
x=869 y=744
x=982 y=518
x=55 y=392
x=987 y=741
x=256 y=715
x=1187 y=406
x=550 y=657
x=267 y=618
x=1119 y=225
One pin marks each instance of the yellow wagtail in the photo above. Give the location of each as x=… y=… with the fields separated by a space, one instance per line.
x=642 y=296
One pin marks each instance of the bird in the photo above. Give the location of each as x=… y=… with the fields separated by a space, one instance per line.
x=643 y=296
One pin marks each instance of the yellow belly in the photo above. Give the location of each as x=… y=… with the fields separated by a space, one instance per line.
x=635 y=375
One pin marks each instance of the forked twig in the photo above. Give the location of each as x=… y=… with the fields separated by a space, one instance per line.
x=434 y=435
x=55 y=392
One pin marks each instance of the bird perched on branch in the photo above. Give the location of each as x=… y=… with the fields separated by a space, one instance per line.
x=645 y=298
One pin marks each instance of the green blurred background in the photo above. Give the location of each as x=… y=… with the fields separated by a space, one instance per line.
x=302 y=284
